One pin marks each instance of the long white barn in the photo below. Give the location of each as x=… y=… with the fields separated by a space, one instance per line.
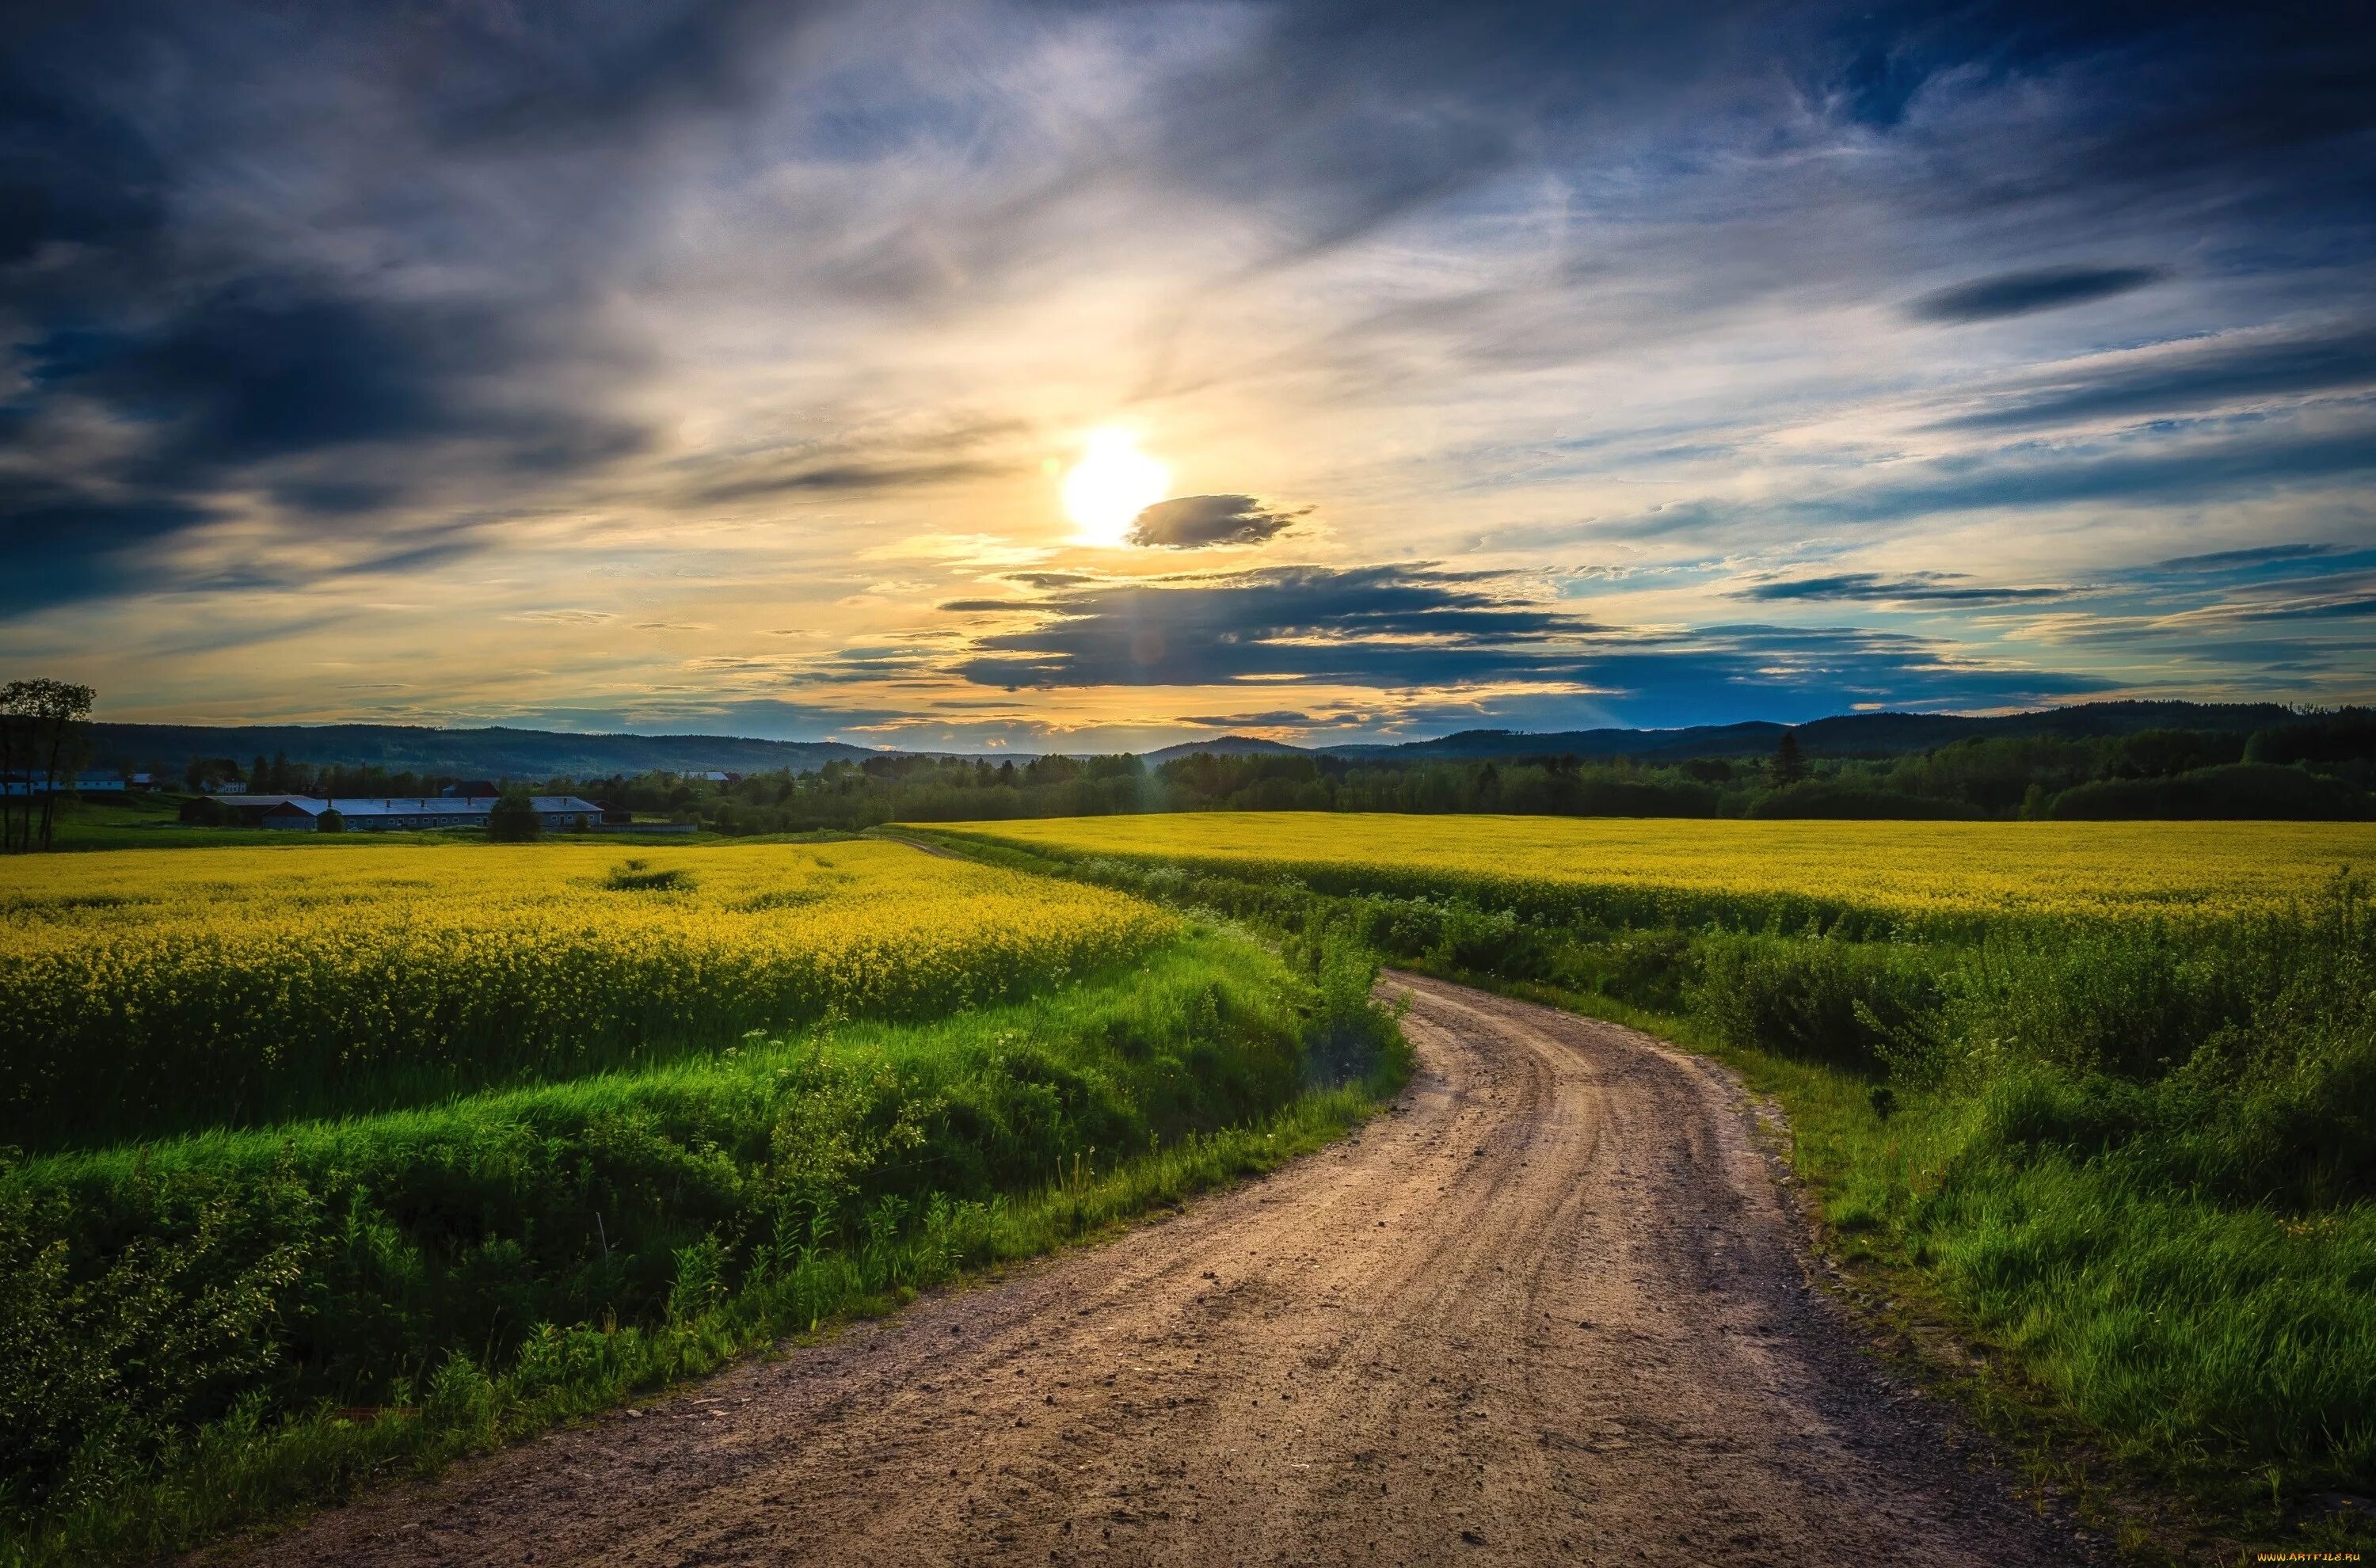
x=388 y=812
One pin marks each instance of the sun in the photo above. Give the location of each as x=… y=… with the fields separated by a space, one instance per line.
x=1113 y=484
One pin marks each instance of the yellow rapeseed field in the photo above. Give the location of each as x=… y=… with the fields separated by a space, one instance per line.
x=136 y=973
x=1925 y=873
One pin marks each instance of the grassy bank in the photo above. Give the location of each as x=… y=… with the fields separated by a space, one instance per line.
x=2133 y=1158
x=205 y=1331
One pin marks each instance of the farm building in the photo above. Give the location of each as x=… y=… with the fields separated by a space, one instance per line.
x=107 y=781
x=388 y=814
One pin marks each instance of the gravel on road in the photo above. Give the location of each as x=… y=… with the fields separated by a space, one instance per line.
x=1553 y=1308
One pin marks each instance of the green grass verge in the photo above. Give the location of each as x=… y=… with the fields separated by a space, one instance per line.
x=247 y=1470
x=2110 y=1188
x=188 y=1327
x=2090 y=1366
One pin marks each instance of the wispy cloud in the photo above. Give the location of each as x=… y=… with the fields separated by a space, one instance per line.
x=1917 y=587
x=2020 y=293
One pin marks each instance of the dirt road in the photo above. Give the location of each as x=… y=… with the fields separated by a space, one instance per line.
x=1549 y=1312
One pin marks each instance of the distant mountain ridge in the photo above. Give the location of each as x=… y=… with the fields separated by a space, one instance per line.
x=493 y=753
x=1227 y=745
x=1846 y=734
x=543 y=753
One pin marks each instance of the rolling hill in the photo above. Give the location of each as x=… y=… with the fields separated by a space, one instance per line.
x=493 y=752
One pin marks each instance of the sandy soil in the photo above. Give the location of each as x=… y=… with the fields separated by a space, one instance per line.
x=1550 y=1310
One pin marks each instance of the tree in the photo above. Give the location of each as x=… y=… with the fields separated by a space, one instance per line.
x=16 y=762
x=1789 y=766
x=38 y=726
x=331 y=821
x=514 y=820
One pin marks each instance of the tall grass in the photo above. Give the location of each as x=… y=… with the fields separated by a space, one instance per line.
x=181 y=1322
x=2137 y=1154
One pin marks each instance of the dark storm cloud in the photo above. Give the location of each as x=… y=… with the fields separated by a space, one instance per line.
x=2019 y=293
x=1193 y=522
x=162 y=294
x=1376 y=625
x=273 y=367
x=253 y=378
x=1937 y=588
x=2184 y=381
x=1410 y=628
x=61 y=545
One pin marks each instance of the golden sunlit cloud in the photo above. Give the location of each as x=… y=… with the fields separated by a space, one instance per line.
x=1111 y=486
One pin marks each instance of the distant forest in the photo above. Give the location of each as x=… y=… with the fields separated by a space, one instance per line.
x=2320 y=767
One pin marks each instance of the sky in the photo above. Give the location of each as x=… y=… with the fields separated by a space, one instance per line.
x=1081 y=376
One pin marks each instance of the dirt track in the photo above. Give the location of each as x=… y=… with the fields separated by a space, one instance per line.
x=1550 y=1310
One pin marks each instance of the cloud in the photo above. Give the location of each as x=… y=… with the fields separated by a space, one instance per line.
x=1371 y=625
x=854 y=476
x=2142 y=470
x=2259 y=555
x=2183 y=377
x=2020 y=293
x=333 y=402
x=1265 y=719
x=1420 y=628
x=1936 y=587
x=1051 y=580
x=1195 y=522
x=63 y=545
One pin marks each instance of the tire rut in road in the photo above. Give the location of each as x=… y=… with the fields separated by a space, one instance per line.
x=1550 y=1310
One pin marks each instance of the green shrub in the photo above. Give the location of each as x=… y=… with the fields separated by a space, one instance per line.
x=1815 y=998
x=2244 y=789
x=637 y=876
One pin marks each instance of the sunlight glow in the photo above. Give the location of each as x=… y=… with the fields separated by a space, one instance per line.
x=1111 y=486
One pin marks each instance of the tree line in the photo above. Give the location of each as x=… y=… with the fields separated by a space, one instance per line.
x=2320 y=768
